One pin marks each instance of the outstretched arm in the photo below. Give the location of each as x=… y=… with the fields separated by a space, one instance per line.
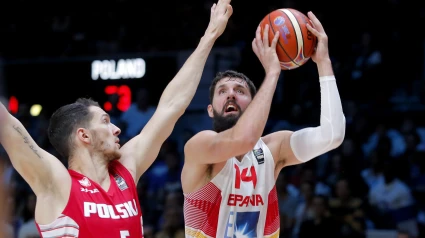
x=209 y=147
x=42 y=171
x=290 y=148
x=140 y=152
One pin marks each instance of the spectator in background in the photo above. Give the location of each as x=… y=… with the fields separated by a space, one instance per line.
x=373 y=174
x=138 y=114
x=288 y=201
x=28 y=228
x=322 y=224
x=173 y=226
x=304 y=209
x=348 y=210
x=393 y=206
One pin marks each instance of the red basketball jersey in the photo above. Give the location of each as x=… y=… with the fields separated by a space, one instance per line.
x=92 y=212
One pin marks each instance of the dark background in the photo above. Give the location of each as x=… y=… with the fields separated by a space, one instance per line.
x=377 y=50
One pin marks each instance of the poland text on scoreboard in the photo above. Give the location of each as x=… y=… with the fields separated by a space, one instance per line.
x=121 y=69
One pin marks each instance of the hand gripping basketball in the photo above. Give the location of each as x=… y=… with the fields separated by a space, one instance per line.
x=321 y=52
x=266 y=51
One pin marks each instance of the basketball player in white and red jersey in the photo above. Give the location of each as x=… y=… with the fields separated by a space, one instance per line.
x=96 y=196
x=229 y=174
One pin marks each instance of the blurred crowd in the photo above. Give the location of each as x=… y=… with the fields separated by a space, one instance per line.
x=374 y=181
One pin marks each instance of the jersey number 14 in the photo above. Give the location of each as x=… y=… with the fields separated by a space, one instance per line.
x=245 y=176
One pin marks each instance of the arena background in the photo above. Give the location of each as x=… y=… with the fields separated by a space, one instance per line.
x=377 y=50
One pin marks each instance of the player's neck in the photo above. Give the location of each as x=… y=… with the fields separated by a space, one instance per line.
x=92 y=166
x=239 y=157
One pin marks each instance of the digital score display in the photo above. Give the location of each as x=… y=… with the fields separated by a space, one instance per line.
x=55 y=83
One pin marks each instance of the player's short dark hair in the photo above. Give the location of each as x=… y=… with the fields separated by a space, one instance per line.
x=65 y=120
x=231 y=74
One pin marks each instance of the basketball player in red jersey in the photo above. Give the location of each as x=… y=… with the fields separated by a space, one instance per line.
x=229 y=174
x=96 y=197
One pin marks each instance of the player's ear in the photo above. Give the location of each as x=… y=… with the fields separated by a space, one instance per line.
x=83 y=135
x=210 y=111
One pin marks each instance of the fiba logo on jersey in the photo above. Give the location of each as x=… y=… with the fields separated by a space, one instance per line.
x=120 y=182
x=259 y=155
x=242 y=224
x=85 y=182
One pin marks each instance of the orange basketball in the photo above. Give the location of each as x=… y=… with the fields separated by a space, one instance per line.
x=296 y=43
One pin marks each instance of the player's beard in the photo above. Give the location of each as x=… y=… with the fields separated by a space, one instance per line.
x=110 y=152
x=113 y=155
x=222 y=123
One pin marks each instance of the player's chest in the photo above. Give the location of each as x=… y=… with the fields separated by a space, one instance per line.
x=95 y=203
x=101 y=214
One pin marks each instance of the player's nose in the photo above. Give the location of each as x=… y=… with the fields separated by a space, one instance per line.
x=231 y=95
x=116 y=130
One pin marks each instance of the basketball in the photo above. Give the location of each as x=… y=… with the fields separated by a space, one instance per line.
x=296 y=43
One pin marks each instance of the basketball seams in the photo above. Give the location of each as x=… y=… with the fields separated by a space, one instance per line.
x=278 y=42
x=302 y=32
x=299 y=18
x=297 y=29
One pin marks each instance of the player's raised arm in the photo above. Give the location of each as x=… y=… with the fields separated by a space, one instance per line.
x=208 y=147
x=303 y=145
x=41 y=170
x=140 y=152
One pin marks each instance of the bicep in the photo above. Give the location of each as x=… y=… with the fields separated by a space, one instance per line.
x=38 y=168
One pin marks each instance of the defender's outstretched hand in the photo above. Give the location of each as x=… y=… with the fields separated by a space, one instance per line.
x=220 y=14
x=321 y=52
x=265 y=51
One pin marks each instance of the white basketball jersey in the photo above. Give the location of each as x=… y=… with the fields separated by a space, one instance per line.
x=240 y=201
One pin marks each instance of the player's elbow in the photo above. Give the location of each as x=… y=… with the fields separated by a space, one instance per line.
x=338 y=134
x=340 y=131
x=177 y=106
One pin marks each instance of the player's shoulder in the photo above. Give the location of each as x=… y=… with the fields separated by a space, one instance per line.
x=198 y=141
x=276 y=136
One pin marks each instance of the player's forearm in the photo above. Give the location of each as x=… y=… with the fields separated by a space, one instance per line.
x=180 y=91
x=324 y=67
x=332 y=117
x=309 y=143
x=251 y=125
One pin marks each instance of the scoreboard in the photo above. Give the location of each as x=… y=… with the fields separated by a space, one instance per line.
x=52 y=83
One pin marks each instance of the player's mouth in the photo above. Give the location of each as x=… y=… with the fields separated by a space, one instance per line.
x=117 y=141
x=231 y=108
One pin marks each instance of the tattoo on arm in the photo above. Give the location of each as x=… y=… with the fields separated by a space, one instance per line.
x=26 y=140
